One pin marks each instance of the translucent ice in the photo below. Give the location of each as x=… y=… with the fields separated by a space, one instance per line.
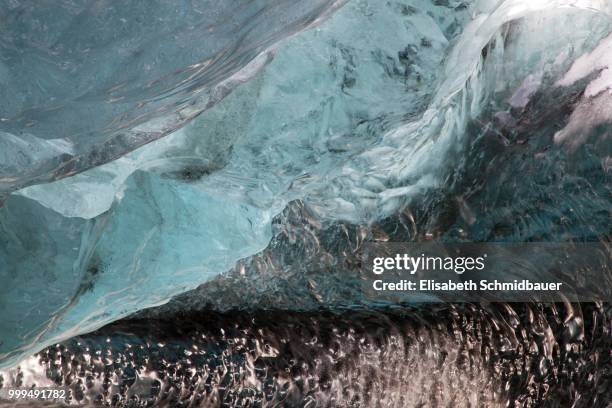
x=355 y=118
x=105 y=77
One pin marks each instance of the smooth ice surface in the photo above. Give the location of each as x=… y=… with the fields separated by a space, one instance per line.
x=355 y=118
x=84 y=82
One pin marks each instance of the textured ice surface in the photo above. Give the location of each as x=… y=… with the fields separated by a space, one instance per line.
x=356 y=118
x=329 y=95
x=83 y=82
x=494 y=355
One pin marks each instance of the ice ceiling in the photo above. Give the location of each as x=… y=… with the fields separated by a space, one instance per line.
x=145 y=148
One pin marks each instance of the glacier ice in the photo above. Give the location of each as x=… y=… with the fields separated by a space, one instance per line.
x=354 y=117
x=83 y=82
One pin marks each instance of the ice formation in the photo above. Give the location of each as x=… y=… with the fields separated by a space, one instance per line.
x=354 y=117
x=84 y=82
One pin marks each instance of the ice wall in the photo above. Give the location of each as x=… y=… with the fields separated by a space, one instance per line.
x=355 y=118
x=84 y=82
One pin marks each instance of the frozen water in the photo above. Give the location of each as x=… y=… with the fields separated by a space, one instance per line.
x=105 y=77
x=355 y=118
